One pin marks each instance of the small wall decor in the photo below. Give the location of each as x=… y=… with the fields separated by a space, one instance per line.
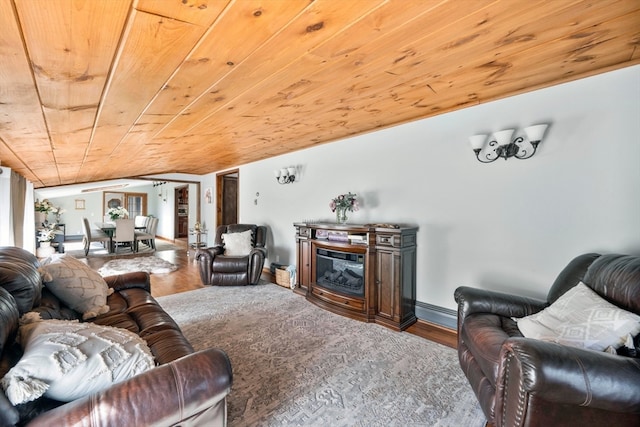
x=79 y=204
x=208 y=195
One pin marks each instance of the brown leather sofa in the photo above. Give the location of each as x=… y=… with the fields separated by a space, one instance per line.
x=216 y=268
x=527 y=382
x=186 y=388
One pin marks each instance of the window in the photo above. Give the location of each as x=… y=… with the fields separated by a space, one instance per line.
x=136 y=204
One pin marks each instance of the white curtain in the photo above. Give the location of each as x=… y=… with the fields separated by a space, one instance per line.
x=6 y=233
x=17 y=227
x=29 y=219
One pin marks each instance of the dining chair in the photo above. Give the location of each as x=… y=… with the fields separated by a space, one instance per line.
x=148 y=236
x=125 y=233
x=90 y=235
x=140 y=221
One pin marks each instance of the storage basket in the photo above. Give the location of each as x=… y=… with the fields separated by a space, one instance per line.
x=283 y=277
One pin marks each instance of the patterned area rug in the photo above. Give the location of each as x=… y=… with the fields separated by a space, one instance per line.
x=296 y=364
x=150 y=264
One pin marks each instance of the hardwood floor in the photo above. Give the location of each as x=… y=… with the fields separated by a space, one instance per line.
x=186 y=278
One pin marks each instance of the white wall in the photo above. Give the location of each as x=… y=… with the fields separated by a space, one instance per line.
x=509 y=225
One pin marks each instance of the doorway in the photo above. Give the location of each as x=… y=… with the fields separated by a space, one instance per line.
x=227 y=197
x=181 y=211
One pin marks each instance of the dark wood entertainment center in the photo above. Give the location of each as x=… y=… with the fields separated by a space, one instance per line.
x=365 y=272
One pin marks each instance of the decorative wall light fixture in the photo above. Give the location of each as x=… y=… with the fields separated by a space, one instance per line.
x=285 y=175
x=501 y=144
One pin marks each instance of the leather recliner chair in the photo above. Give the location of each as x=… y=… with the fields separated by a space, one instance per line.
x=216 y=268
x=528 y=382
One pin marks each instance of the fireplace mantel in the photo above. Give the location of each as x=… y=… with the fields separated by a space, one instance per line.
x=388 y=254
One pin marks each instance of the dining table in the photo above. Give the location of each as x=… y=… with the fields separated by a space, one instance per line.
x=109 y=229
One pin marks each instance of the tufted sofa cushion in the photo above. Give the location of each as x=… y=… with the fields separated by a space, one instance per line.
x=134 y=308
x=131 y=307
x=19 y=275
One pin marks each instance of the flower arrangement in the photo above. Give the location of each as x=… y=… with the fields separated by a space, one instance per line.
x=117 y=213
x=47 y=233
x=58 y=212
x=345 y=202
x=44 y=206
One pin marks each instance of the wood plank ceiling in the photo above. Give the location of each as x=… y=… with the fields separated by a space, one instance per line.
x=92 y=90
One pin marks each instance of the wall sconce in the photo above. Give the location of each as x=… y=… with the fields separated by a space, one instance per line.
x=504 y=147
x=285 y=175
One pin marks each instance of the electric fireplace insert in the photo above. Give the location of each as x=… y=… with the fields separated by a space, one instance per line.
x=339 y=271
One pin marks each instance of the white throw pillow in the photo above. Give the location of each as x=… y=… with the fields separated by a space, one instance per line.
x=581 y=318
x=237 y=244
x=77 y=285
x=65 y=360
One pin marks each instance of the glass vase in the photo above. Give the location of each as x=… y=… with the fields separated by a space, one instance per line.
x=341 y=216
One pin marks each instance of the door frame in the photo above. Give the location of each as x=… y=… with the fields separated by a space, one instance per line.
x=197 y=184
x=220 y=189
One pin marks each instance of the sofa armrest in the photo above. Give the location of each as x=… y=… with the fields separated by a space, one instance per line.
x=569 y=375
x=210 y=253
x=473 y=300
x=259 y=249
x=257 y=256
x=205 y=257
x=138 y=279
x=192 y=387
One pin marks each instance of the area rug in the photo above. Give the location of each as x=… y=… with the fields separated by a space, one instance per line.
x=150 y=264
x=295 y=364
x=76 y=250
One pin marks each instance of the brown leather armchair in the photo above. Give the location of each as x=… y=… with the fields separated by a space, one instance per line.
x=528 y=382
x=216 y=268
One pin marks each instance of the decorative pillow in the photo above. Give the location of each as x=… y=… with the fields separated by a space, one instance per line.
x=237 y=244
x=77 y=285
x=581 y=318
x=65 y=360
